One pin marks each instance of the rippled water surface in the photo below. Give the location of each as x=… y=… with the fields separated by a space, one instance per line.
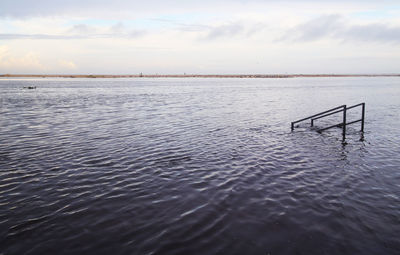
x=197 y=166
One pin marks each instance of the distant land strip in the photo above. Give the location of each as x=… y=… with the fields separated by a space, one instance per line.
x=190 y=75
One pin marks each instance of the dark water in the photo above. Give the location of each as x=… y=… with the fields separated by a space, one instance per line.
x=197 y=166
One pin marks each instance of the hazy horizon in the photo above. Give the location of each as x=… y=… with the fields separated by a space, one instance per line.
x=208 y=37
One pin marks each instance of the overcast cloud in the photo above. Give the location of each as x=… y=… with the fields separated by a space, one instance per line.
x=81 y=31
x=210 y=36
x=29 y=8
x=336 y=27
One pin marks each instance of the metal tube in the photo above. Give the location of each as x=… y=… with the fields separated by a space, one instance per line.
x=362 y=117
x=326 y=115
x=350 y=107
x=344 y=124
x=315 y=115
x=338 y=125
x=349 y=123
x=323 y=129
x=331 y=113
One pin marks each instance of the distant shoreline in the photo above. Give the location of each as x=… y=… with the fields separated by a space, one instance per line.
x=192 y=75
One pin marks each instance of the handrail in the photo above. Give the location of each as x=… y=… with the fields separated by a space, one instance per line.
x=325 y=115
x=338 y=125
x=334 y=111
x=329 y=114
x=315 y=115
x=354 y=106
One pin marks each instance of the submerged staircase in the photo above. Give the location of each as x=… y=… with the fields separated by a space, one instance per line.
x=343 y=124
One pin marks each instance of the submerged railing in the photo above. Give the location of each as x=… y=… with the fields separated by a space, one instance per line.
x=343 y=124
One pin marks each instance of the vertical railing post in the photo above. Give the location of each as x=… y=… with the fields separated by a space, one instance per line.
x=292 y=126
x=312 y=122
x=344 y=123
x=362 y=117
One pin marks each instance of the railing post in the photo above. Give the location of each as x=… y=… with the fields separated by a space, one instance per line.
x=344 y=123
x=362 y=117
x=312 y=122
x=292 y=126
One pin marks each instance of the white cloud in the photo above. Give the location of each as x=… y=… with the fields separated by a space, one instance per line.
x=79 y=29
x=68 y=65
x=237 y=30
x=337 y=27
x=226 y=36
x=128 y=8
x=224 y=31
x=118 y=28
x=28 y=62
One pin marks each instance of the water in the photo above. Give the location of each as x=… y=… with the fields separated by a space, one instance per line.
x=197 y=166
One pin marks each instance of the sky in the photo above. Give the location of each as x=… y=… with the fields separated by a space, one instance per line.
x=199 y=37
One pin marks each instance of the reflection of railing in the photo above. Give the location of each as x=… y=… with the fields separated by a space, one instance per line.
x=342 y=108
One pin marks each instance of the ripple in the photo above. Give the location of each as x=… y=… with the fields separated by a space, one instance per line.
x=196 y=166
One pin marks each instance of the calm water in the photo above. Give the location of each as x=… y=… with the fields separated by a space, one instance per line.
x=197 y=166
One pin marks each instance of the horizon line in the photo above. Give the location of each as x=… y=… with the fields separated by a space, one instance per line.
x=141 y=75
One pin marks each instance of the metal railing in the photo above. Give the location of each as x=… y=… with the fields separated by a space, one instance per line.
x=343 y=124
